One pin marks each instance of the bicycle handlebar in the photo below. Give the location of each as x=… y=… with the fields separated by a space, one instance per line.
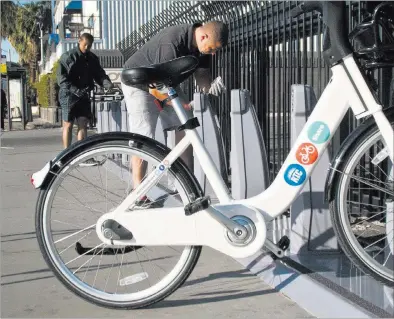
x=306 y=7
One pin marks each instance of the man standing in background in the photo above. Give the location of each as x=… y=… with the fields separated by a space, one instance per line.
x=3 y=107
x=78 y=70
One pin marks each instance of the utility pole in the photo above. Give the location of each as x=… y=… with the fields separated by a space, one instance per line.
x=42 y=44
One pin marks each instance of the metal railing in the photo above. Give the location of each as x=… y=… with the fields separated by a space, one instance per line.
x=267 y=52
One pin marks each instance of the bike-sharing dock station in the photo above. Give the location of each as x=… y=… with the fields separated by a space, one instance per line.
x=314 y=272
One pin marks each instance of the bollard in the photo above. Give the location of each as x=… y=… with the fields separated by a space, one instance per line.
x=211 y=138
x=103 y=121
x=248 y=157
x=115 y=120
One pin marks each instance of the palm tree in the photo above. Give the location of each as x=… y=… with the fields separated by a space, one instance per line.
x=19 y=24
x=8 y=13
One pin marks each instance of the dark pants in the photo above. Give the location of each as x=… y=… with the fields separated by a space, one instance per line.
x=80 y=109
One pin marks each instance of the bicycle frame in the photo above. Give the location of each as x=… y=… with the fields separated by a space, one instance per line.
x=346 y=89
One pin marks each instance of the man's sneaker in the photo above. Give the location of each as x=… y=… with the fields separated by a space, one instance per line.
x=143 y=204
x=90 y=162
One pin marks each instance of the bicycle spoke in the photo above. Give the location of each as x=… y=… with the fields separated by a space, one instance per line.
x=84 y=254
x=367 y=204
x=76 y=233
x=375 y=242
x=368 y=218
x=92 y=210
x=98 y=266
x=388 y=256
x=73 y=244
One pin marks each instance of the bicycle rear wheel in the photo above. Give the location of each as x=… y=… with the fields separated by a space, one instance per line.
x=360 y=207
x=77 y=195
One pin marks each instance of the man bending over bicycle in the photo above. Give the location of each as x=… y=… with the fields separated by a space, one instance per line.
x=171 y=43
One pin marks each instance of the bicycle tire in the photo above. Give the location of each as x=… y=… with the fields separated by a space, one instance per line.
x=154 y=149
x=351 y=146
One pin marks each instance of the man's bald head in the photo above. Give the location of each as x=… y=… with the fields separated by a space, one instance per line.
x=211 y=37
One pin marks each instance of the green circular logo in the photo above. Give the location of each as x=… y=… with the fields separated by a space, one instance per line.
x=319 y=132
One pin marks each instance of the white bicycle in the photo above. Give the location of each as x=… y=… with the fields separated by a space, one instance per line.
x=101 y=248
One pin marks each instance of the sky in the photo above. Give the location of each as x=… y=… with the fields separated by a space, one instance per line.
x=5 y=47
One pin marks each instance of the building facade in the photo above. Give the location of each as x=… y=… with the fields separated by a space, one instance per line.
x=108 y=21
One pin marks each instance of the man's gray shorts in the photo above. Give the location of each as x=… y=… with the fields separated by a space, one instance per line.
x=143 y=112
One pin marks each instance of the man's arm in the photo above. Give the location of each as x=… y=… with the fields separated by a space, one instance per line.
x=203 y=74
x=100 y=76
x=63 y=80
x=203 y=79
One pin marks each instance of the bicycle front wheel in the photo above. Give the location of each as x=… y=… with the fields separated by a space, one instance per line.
x=361 y=205
x=91 y=182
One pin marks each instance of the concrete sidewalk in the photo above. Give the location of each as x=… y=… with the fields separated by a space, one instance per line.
x=38 y=123
x=219 y=287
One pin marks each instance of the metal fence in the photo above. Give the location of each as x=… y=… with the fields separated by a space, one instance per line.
x=267 y=52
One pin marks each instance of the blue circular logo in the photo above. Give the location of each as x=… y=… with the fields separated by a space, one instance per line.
x=295 y=175
x=161 y=167
x=319 y=132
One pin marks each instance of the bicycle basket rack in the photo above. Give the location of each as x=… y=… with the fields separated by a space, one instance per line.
x=374 y=38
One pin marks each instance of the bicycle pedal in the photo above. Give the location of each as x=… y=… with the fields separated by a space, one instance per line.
x=284 y=243
x=199 y=204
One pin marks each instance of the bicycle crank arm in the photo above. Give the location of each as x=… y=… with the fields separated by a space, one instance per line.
x=104 y=251
x=172 y=227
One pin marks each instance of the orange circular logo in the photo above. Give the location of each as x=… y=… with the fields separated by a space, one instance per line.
x=307 y=154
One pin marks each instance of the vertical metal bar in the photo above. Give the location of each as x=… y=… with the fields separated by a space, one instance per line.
x=251 y=53
x=239 y=69
x=243 y=52
x=257 y=75
x=286 y=84
x=319 y=56
x=304 y=48
x=9 y=104
x=279 y=91
x=273 y=81
x=268 y=83
x=248 y=49
x=312 y=54
x=298 y=51
x=291 y=56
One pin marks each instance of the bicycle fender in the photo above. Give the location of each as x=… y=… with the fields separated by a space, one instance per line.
x=45 y=175
x=347 y=146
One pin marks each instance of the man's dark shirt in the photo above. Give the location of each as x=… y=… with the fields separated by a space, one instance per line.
x=3 y=102
x=76 y=72
x=170 y=43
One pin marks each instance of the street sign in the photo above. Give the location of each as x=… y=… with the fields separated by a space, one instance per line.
x=3 y=65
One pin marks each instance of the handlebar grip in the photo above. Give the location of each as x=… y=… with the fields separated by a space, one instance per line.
x=295 y=12
x=306 y=7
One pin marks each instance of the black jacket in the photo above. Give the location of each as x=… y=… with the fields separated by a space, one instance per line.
x=76 y=75
x=3 y=102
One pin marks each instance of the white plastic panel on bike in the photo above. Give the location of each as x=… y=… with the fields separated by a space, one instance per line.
x=309 y=213
x=306 y=151
x=171 y=227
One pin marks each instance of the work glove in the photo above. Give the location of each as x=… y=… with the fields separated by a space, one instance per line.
x=217 y=87
x=107 y=84
x=190 y=106
x=81 y=92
